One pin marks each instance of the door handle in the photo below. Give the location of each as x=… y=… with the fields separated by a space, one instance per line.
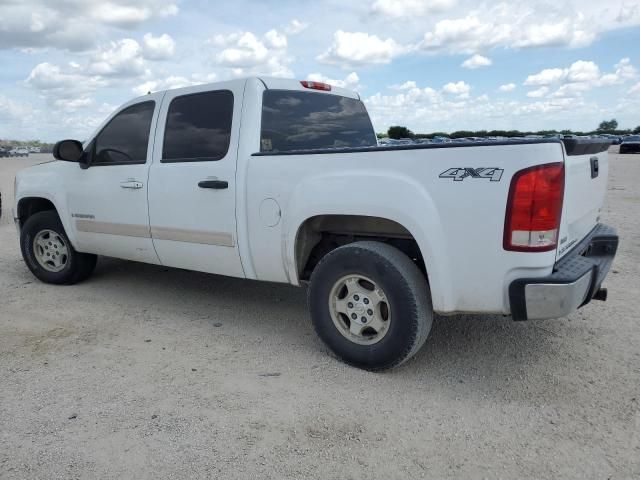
x=216 y=184
x=134 y=184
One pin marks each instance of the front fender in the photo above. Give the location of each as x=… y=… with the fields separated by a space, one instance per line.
x=384 y=194
x=43 y=181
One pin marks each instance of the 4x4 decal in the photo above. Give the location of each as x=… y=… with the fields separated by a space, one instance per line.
x=460 y=173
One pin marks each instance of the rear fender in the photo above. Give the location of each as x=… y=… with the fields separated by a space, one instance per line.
x=381 y=194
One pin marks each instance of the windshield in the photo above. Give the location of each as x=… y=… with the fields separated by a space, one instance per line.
x=304 y=120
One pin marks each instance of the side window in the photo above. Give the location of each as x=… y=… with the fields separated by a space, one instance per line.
x=198 y=127
x=125 y=138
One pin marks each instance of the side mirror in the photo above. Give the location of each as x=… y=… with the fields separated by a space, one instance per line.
x=68 y=150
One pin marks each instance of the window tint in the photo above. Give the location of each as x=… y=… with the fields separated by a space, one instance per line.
x=198 y=127
x=126 y=136
x=305 y=120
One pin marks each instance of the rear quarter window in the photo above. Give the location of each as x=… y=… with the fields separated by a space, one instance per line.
x=307 y=121
x=198 y=127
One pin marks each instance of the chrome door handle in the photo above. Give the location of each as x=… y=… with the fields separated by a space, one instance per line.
x=131 y=184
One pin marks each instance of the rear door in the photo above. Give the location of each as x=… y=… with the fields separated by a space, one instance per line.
x=586 y=172
x=192 y=181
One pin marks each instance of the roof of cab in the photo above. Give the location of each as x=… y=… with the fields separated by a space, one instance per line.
x=292 y=84
x=271 y=83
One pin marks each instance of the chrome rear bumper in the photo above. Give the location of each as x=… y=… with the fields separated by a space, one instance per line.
x=576 y=279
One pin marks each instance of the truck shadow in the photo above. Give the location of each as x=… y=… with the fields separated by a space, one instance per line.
x=482 y=350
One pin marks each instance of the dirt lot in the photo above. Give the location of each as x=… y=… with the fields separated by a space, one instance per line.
x=145 y=372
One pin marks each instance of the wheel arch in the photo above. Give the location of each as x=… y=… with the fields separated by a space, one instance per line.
x=29 y=205
x=319 y=234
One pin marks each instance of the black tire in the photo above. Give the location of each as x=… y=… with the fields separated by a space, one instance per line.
x=405 y=287
x=78 y=267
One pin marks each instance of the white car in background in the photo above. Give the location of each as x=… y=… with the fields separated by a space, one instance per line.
x=19 y=152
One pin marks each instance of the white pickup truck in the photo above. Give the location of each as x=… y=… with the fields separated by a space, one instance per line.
x=283 y=181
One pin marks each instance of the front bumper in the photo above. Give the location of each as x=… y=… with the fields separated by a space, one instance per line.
x=576 y=279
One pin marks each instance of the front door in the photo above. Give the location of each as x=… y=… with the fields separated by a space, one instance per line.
x=108 y=200
x=192 y=180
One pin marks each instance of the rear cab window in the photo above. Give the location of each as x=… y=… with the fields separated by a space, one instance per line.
x=293 y=120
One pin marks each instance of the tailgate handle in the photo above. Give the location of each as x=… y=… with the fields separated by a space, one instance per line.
x=594 y=167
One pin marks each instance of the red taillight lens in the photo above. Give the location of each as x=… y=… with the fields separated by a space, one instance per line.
x=315 y=85
x=534 y=206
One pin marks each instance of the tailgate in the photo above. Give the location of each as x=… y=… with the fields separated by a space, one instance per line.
x=586 y=171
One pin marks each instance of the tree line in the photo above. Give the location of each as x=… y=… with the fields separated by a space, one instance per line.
x=606 y=126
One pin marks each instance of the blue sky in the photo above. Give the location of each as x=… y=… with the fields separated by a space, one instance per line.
x=438 y=65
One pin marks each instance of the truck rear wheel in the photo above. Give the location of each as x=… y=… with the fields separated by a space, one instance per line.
x=48 y=253
x=370 y=304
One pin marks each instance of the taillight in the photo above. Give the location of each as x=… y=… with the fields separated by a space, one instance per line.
x=534 y=206
x=315 y=85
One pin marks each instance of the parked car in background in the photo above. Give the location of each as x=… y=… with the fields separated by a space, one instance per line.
x=19 y=152
x=630 y=144
x=34 y=149
x=4 y=152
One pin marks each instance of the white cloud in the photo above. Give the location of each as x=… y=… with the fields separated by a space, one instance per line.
x=17 y=119
x=624 y=71
x=408 y=85
x=507 y=87
x=358 y=48
x=546 y=77
x=158 y=48
x=584 y=72
x=579 y=77
x=426 y=110
x=460 y=88
x=273 y=39
x=635 y=89
x=73 y=24
x=538 y=93
x=121 y=15
x=476 y=61
x=246 y=54
x=118 y=58
x=56 y=83
x=295 y=27
x=350 y=82
x=71 y=105
x=524 y=25
x=248 y=51
x=411 y=8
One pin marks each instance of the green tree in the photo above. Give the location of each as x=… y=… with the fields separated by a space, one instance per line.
x=637 y=129
x=398 y=132
x=608 y=126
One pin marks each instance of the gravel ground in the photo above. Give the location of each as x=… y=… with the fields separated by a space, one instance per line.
x=146 y=372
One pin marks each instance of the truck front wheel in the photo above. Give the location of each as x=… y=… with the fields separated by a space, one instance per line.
x=370 y=304
x=48 y=253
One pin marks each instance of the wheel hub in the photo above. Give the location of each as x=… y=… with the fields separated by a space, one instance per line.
x=50 y=250
x=359 y=309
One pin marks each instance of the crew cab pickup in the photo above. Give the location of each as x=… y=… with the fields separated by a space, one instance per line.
x=283 y=181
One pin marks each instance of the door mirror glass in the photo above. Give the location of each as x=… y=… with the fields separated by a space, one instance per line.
x=68 y=150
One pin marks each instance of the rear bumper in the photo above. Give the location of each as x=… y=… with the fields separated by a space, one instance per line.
x=576 y=279
x=630 y=148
